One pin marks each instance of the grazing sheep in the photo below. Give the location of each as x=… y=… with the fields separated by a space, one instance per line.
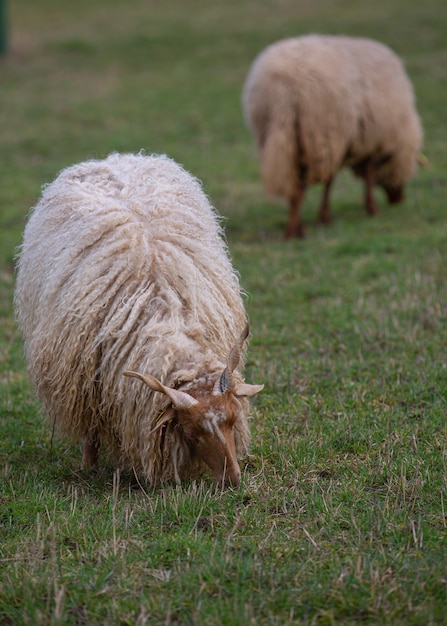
x=317 y=103
x=123 y=270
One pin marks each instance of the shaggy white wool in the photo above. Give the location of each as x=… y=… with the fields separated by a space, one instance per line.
x=124 y=266
x=317 y=103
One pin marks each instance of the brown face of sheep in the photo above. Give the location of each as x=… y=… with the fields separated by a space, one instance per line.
x=209 y=426
x=394 y=194
x=208 y=420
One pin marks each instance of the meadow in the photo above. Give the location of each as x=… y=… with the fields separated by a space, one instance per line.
x=341 y=515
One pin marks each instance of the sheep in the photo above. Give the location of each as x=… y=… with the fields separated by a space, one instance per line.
x=317 y=103
x=124 y=272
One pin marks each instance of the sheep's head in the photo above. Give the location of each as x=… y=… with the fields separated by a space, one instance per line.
x=394 y=194
x=208 y=415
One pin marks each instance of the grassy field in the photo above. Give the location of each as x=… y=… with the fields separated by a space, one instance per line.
x=340 y=518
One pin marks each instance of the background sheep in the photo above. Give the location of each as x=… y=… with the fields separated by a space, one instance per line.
x=123 y=266
x=318 y=103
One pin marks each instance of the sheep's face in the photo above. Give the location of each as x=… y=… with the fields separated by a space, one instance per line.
x=209 y=416
x=394 y=194
x=210 y=427
x=209 y=420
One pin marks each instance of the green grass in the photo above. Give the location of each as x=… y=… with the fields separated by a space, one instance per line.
x=340 y=518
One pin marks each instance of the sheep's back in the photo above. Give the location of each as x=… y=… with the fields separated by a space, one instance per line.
x=298 y=101
x=318 y=102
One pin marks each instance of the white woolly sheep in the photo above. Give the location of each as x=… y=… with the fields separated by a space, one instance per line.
x=123 y=270
x=317 y=103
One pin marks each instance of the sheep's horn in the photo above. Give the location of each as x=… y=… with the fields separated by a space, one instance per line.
x=180 y=399
x=226 y=381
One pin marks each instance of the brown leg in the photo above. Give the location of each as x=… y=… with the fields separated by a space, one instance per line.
x=324 y=214
x=90 y=451
x=295 y=227
x=370 y=204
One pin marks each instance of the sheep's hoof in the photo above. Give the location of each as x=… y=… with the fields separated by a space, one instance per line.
x=324 y=217
x=372 y=209
x=299 y=232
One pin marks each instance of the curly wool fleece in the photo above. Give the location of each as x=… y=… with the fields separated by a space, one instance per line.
x=123 y=266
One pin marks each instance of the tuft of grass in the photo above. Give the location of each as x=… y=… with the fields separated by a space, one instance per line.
x=341 y=515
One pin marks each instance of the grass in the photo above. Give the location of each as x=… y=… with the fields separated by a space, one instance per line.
x=340 y=518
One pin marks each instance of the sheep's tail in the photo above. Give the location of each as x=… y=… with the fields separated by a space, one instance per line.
x=279 y=161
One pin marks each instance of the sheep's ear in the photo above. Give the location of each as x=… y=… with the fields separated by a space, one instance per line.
x=179 y=399
x=247 y=391
x=165 y=416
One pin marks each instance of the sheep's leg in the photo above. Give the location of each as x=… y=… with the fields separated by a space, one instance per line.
x=370 y=204
x=90 y=451
x=324 y=214
x=295 y=227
